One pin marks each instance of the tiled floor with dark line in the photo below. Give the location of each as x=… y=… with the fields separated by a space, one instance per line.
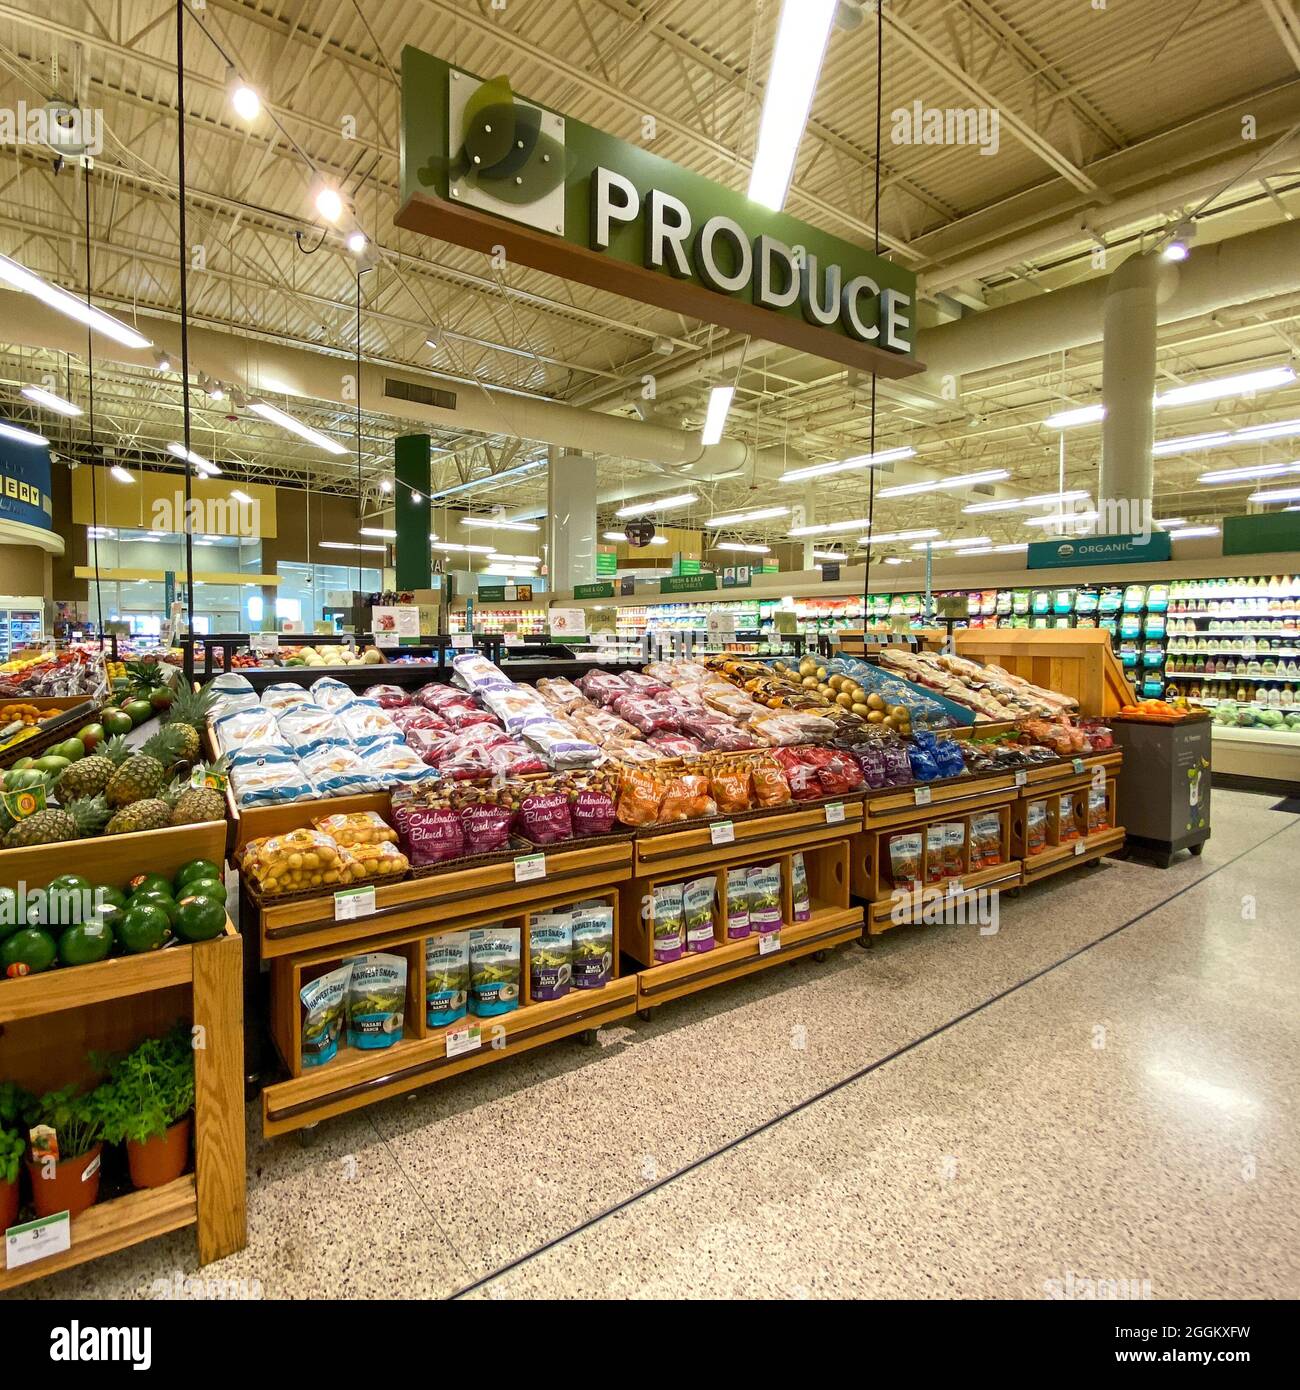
x=1051 y=1110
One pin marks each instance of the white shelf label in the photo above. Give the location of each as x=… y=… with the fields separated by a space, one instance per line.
x=265 y=643
x=835 y=813
x=462 y=639
x=352 y=903
x=386 y=639
x=722 y=832
x=513 y=641
x=955 y=887
x=768 y=942
x=464 y=1040
x=1022 y=777
x=921 y=796
x=37 y=1240
x=529 y=867
x=1079 y=848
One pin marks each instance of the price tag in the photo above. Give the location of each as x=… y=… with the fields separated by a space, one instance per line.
x=514 y=641
x=386 y=639
x=462 y=640
x=36 y=1240
x=921 y=796
x=352 y=903
x=768 y=942
x=529 y=867
x=835 y=813
x=1078 y=764
x=266 y=643
x=955 y=887
x=464 y=1040
x=722 y=832
x=1079 y=848
x=1022 y=777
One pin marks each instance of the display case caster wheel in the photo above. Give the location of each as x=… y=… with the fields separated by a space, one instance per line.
x=1197 y=848
x=307 y=1135
x=587 y=1037
x=645 y=1015
x=821 y=956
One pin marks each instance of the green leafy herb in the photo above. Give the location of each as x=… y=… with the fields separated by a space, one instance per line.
x=149 y=1089
x=12 y=1147
x=76 y=1119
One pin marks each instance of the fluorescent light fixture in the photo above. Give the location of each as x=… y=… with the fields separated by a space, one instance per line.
x=612 y=536
x=716 y=415
x=658 y=540
x=974 y=550
x=496 y=524
x=1084 y=415
x=121 y=474
x=1186 y=533
x=348 y=545
x=735 y=518
x=740 y=545
x=22 y=436
x=465 y=549
x=1169 y=521
x=819 y=470
x=827 y=526
x=986 y=475
x=179 y=451
x=1277 y=494
x=1222 y=439
x=955 y=544
x=357 y=242
x=50 y=400
x=801 y=39
x=1257 y=470
x=1175 y=251
x=829 y=555
x=30 y=283
x=239 y=495
x=661 y=504
x=898 y=560
x=329 y=204
x=1042 y=499
x=496 y=559
x=278 y=417
x=377 y=531
x=1244 y=384
x=503 y=476
x=1014 y=547
x=1062 y=519
x=888 y=536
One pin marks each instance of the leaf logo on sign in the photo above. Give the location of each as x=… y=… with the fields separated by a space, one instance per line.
x=504 y=149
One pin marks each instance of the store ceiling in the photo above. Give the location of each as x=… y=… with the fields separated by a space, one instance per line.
x=1114 y=124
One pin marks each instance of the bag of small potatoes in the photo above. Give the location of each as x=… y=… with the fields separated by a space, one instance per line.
x=298 y=861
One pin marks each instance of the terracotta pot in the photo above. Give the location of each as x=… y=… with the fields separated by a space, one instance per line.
x=162 y=1159
x=8 y=1204
x=67 y=1190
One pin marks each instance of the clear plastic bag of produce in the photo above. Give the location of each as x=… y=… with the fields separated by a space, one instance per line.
x=467 y=716
x=390 y=763
x=515 y=705
x=924 y=711
x=476 y=673
x=284 y=695
x=511 y=758
x=339 y=772
x=646 y=713
x=436 y=696
x=560 y=693
x=247 y=728
x=559 y=745
x=309 y=727
x=366 y=724
x=604 y=687
x=640 y=794
x=381 y=860
x=297 y=861
x=387 y=696
x=357 y=828
x=331 y=693
x=269 y=779
x=675 y=745
x=687 y=797
x=791 y=727
x=417 y=717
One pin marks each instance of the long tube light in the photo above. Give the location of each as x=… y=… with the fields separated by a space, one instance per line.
x=1041 y=500
x=96 y=319
x=496 y=559
x=801 y=40
x=820 y=470
x=1188 y=532
x=716 y=415
x=1257 y=470
x=1084 y=415
x=205 y=466
x=1244 y=384
x=1169 y=522
x=466 y=549
x=381 y=531
x=22 y=436
x=495 y=524
x=829 y=555
x=503 y=476
x=955 y=544
x=51 y=401
x=278 y=417
x=972 y=550
x=735 y=518
x=660 y=504
x=987 y=475
x=887 y=537
x=827 y=526
x=1277 y=494
x=1062 y=519
x=740 y=545
x=1223 y=439
x=121 y=474
x=348 y=545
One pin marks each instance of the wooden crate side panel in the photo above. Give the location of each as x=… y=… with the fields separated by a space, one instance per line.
x=219 y=1097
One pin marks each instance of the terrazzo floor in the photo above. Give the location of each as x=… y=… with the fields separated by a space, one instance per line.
x=1104 y=1088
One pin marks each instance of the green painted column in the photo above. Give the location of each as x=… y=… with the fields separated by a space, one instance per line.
x=411 y=453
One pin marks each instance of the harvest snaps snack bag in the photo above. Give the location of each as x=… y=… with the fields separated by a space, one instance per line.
x=493 y=970
x=324 y=1001
x=593 y=944
x=446 y=978
x=697 y=912
x=667 y=922
x=376 y=1000
x=737 y=904
x=550 y=953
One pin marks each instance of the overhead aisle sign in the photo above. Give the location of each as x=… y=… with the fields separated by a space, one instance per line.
x=485 y=168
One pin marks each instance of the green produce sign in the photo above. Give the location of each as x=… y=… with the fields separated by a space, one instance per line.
x=593 y=591
x=688 y=583
x=484 y=167
x=1098 y=550
x=1255 y=535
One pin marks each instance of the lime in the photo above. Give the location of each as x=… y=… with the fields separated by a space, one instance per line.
x=157 y=897
x=27 y=952
x=207 y=887
x=142 y=881
x=142 y=927
x=9 y=912
x=200 y=918
x=86 y=943
x=196 y=868
x=106 y=896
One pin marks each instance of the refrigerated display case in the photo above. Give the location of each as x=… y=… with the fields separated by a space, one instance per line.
x=22 y=624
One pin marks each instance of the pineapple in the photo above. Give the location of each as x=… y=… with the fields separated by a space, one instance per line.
x=189 y=716
x=142 y=776
x=153 y=813
x=89 y=776
x=145 y=678
x=76 y=821
x=195 y=804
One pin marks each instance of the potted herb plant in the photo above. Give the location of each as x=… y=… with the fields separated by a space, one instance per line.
x=14 y=1104
x=66 y=1177
x=146 y=1103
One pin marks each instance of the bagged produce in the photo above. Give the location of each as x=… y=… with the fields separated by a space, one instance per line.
x=669 y=932
x=331 y=694
x=687 y=798
x=476 y=673
x=513 y=759
x=801 y=901
x=284 y=696
x=357 y=828
x=771 y=788
x=560 y=692
x=381 y=860
x=550 y=954
x=675 y=745
x=934 y=836
x=417 y=717
x=270 y=778
x=1067 y=826
x=376 y=1000
x=296 y=861
x=543 y=817
x=559 y=745
x=954 y=848
x=644 y=712
x=985 y=840
x=515 y=705
x=339 y=772
x=324 y=1002
x=640 y=794
x=248 y=728
x=1098 y=814
x=737 y=904
x=591 y=801
x=764 y=897
x=494 y=970
x=604 y=687
x=731 y=784
x=593 y=944
x=800 y=774
x=309 y=727
x=487 y=826
x=1035 y=827
x=464 y=717
x=905 y=859
x=446 y=978
x=430 y=834
x=697 y=913
x=232 y=692
x=366 y=724
x=391 y=763
x=387 y=696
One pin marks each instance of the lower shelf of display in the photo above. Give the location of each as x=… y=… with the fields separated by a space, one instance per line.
x=1211 y=676
x=1057 y=857
x=1255 y=733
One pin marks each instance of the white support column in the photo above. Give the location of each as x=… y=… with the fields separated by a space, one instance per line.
x=571 y=519
x=1128 y=379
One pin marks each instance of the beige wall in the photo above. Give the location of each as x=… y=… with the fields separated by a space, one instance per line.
x=24 y=571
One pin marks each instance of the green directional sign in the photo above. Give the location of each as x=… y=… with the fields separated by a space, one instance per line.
x=688 y=584
x=593 y=590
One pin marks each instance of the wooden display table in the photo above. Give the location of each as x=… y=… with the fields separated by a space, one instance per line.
x=49 y=1023
x=1078 y=662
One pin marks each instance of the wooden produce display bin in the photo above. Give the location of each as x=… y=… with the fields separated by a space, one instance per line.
x=890 y=806
x=1078 y=662
x=677 y=855
x=50 y=1022
x=891 y=905
x=1064 y=850
x=62 y=716
x=425 y=1054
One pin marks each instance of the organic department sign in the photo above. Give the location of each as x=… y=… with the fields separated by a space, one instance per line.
x=1098 y=550
x=485 y=168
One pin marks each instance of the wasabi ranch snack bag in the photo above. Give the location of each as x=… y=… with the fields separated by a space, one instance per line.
x=550 y=952
x=764 y=897
x=446 y=978
x=493 y=970
x=737 y=904
x=376 y=999
x=593 y=945
x=801 y=903
x=324 y=1000
x=697 y=912
x=667 y=922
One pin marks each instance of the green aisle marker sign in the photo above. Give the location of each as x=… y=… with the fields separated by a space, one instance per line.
x=593 y=591
x=688 y=584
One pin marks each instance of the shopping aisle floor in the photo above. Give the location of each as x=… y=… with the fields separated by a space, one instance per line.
x=1103 y=1089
